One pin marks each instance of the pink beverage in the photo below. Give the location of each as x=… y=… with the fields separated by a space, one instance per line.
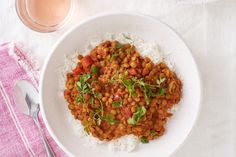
x=44 y=15
x=48 y=12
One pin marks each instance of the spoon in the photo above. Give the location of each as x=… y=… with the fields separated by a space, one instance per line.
x=27 y=101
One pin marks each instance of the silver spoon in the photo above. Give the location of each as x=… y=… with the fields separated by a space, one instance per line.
x=27 y=98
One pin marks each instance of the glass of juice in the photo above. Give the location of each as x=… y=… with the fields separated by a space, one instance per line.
x=45 y=15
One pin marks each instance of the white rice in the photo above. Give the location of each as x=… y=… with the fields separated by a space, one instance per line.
x=129 y=142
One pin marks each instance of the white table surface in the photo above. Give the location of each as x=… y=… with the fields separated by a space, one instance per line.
x=210 y=32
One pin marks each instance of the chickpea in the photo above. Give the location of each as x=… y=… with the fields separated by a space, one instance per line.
x=126 y=65
x=121 y=127
x=104 y=99
x=164 y=102
x=107 y=94
x=69 y=76
x=130 y=99
x=149 y=66
x=92 y=129
x=125 y=102
x=71 y=107
x=133 y=58
x=128 y=130
x=76 y=107
x=133 y=64
x=118 y=116
x=143 y=64
x=133 y=103
x=144 y=118
x=152 y=109
x=145 y=71
x=146 y=59
x=139 y=129
x=80 y=57
x=126 y=73
x=110 y=100
x=160 y=111
x=86 y=97
x=69 y=86
x=137 y=99
x=76 y=79
x=113 y=112
x=125 y=60
x=133 y=109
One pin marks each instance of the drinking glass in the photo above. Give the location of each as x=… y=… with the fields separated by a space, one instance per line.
x=45 y=15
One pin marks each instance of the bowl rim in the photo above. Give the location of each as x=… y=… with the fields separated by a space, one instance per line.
x=153 y=19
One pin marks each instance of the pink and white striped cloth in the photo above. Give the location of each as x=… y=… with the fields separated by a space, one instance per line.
x=19 y=136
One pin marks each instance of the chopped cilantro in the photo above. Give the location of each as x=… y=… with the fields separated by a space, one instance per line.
x=114 y=56
x=96 y=116
x=119 y=45
x=117 y=104
x=111 y=121
x=91 y=101
x=161 y=91
x=99 y=120
x=131 y=121
x=141 y=111
x=153 y=133
x=94 y=69
x=144 y=140
x=129 y=84
x=160 y=81
x=83 y=86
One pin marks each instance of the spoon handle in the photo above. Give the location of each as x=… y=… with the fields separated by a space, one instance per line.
x=45 y=142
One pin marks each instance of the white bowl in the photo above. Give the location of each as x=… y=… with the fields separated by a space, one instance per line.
x=54 y=108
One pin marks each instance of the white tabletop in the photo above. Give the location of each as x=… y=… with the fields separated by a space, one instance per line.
x=210 y=32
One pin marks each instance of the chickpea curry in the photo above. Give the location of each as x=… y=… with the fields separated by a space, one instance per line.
x=114 y=91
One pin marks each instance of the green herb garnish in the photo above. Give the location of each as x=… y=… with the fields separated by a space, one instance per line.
x=114 y=56
x=131 y=121
x=83 y=87
x=97 y=116
x=91 y=101
x=128 y=51
x=86 y=127
x=126 y=37
x=153 y=133
x=111 y=121
x=114 y=77
x=119 y=45
x=94 y=69
x=80 y=98
x=147 y=90
x=160 y=81
x=117 y=104
x=83 y=78
x=99 y=120
x=161 y=90
x=97 y=95
x=144 y=140
x=141 y=111
x=129 y=84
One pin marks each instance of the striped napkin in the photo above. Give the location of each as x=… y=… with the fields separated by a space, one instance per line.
x=18 y=134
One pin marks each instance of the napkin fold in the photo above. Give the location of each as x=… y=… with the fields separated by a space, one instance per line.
x=19 y=135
